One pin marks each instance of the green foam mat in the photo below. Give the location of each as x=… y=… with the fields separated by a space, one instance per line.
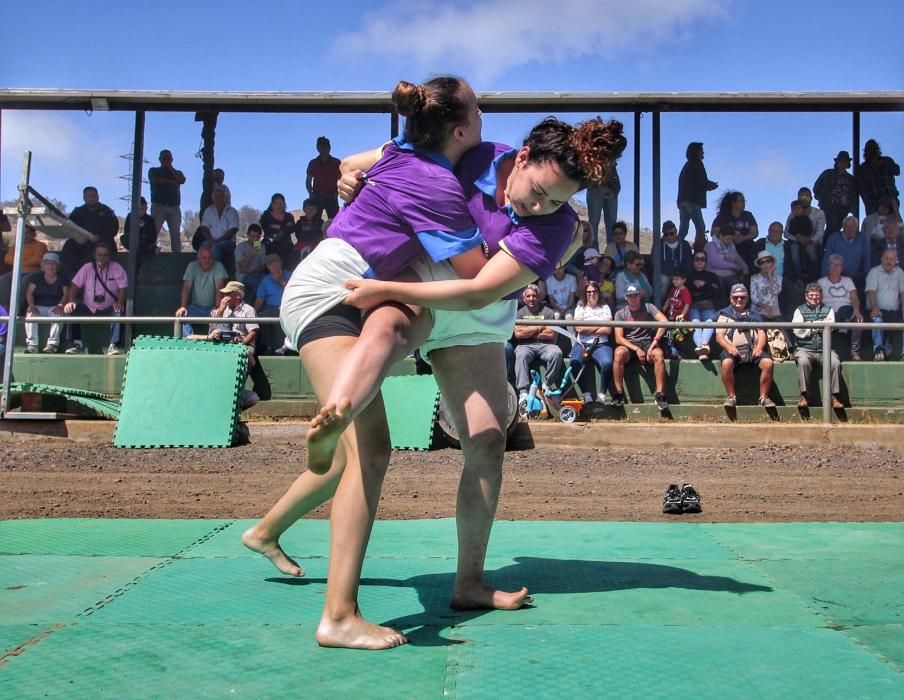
x=181 y=393
x=102 y=404
x=411 y=406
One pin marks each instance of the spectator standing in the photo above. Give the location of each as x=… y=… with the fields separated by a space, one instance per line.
x=166 y=199
x=891 y=240
x=592 y=344
x=323 y=178
x=200 y=282
x=840 y=293
x=675 y=254
x=743 y=346
x=278 y=226
x=885 y=299
x=810 y=350
x=147 y=232
x=603 y=199
x=620 y=245
x=853 y=247
x=96 y=218
x=218 y=179
x=104 y=283
x=535 y=343
x=632 y=274
x=250 y=267
x=693 y=184
x=817 y=217
x=732 y=213
x=268 y=299
x=724 y=260
x=706 y=293
x=876 y=178
x=219 y=224
x=46 y=293
x=836 y=191
x=638 y=343
x=561 y=291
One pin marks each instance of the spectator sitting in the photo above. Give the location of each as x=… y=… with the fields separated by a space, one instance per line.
x=278 y=225
x=775 y=244
x=202 y=278
x=693 y=184
x=268 y=299
x=853 y=246
x=308 y=232
x=96 y=218
x=620 y=245
x=607 y=281
x=841 y=295
x=219 y=224
x=536 y=343
x=732 y=213
x=46 y=293
x=640 y=343
x=876 y=178
x=166 y=202
x=675 y=254
x=561 y=291
x=147 y=232
x=836 y=191
x=724 y=260
x=874 y=224
x=801 y=262
x=591 y=270
x=678 y=308
x=231 y=305
x=891 y=240
x=810 y=350
x=592 y=344
x=632 y=274
x=745 y=346
x=323 y=177
x=104 y=282
x=885 y=300
x=33 y=252
x=249 y=260
x=814 y=214
x=575 y=264
x=705 y=295
x=766 y=288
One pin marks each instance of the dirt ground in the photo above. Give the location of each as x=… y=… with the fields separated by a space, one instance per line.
x=775 y=483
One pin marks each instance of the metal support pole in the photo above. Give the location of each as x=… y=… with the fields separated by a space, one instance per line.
x=135 y=221
x=827 y=374
x=855 y=136
x=23 y=206
x=637 y=179
x=657 y=215
x=393 y=124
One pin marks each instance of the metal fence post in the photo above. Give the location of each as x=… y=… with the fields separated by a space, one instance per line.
x=827 y=373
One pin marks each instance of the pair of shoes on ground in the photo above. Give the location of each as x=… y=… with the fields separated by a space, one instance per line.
x=804 y=403
x=879 y=355
x=49 y=349
x=702 y=352
x=732 y=401
x=681 y=500
x=600 y=398
x=619 y=399
x=78 y=348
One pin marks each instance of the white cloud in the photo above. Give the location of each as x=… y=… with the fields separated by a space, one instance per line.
x=488 y=39
x=773 y=168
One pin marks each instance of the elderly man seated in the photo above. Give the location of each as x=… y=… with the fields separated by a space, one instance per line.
x=638 y=343
x=202 y=278
x=536 y=343
x=809 y=350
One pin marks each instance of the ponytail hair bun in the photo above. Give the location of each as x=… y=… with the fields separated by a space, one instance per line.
x=409 y=98
x=433 y=109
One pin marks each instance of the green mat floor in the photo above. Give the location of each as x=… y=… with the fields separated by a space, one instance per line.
x=168 y=609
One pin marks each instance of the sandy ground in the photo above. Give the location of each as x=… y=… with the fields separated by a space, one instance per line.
x=775 y=483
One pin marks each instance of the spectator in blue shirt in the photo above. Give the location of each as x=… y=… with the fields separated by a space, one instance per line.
x=269 y=297
x=854 y=247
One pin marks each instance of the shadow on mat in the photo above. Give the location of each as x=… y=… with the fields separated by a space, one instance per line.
x=541 y=576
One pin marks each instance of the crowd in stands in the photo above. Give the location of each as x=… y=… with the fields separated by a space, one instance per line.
x=816 y=261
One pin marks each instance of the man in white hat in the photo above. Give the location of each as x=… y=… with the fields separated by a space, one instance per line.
x=46 y=293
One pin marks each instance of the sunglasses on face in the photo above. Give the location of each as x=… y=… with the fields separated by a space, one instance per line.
x=739 y=298
x=699 y=259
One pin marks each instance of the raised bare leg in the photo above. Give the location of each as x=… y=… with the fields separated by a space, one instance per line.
x=473 y=383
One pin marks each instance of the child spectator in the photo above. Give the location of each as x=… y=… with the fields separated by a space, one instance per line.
x=678 y=308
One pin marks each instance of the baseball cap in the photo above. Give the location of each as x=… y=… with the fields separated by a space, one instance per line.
x=51 y=257
x=591 y=253
x=632 y=289
x=233 y=287
x=739 y=289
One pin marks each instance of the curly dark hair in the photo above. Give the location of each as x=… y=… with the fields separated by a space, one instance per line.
x=583 y=152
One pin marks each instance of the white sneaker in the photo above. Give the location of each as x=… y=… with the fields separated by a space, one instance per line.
x=77 y=348
x=249 y=399
x=51 y=349
x=31 y=349
x=588 y=397
x=281 y=351
x=113 y=350
x=601 y=398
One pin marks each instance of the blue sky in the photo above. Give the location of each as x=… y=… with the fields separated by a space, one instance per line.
x=499 y=45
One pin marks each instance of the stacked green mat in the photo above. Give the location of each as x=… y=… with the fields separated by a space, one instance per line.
x=411 y=404
x=181 y=393
x=102 y=404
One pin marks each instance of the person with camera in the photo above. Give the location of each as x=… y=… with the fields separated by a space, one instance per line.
x=243 y=330
x=103 y=283
x=743 y=346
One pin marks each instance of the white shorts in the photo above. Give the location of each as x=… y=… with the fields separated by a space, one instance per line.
x=316 y=285
x=493 y=323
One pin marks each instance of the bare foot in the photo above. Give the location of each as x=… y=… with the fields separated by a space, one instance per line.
x=357 y=633
x=484 y=597
x=323 y=435
x=273 y=552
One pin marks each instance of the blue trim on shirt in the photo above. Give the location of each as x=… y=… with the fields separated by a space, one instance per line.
x=488 y=183
x=442 y=245
x=404 y=144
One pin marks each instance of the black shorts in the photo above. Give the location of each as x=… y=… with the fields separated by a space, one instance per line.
x=341 y=320
x=754 y=360
x=643 y=345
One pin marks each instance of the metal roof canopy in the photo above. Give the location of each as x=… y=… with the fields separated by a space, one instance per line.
x=380 y=102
